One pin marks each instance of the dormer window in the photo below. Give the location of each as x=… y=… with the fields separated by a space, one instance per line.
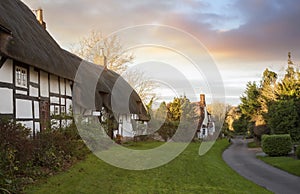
x=21 y=77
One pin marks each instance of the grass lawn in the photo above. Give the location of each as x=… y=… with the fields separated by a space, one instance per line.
x=188 y=173
x=253 y=145
x=285 y=163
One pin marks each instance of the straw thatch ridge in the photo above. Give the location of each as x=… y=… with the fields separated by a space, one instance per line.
x=23 y=39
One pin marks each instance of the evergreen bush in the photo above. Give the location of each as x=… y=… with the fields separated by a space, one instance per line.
x=277 y=145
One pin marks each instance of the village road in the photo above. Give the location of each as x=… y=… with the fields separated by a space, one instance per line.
x=243 y=160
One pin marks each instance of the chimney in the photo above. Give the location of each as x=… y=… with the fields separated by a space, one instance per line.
x=39 y=17
x=202 y=100
x=101 y=59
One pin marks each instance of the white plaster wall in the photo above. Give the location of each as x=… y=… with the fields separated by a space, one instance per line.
x=23 y=109
x=54 y=85
x=62 y=87
x=37 y=127
x=126 y=128
x=54 y=100
x=52 y=110
x=6 y=101
x=68 y=105
x=33 y=91
x=68 y=88
x=21 y=92
x=36 y=110
x=6 y=72
x=34 y=76
x=63 y=101
x=44 y=84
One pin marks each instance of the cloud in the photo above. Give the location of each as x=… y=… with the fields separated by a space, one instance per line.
x=270 y=31
x=269 y=27
x=241 y=35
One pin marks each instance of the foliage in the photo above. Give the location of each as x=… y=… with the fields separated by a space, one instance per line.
x=249 y=106
x=267 y=90
x=218 y=111
x=15 y=151
x=298 y=152
x=240 y=125
x=253 y=144
x=167 y=130
x=288 y=88
x=187 y=173
x=274 y=104
x=54 y=148
x=168 y=117
x=283 y=118
x=225 y=130
x=276 y=145
x=24 y=159
x=231 y=115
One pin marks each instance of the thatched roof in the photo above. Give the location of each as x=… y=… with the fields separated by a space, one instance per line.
x=29 y=43
x=22 y=38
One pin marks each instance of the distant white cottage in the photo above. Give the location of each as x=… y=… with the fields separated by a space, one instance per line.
x=207 y=126
x=37 y=76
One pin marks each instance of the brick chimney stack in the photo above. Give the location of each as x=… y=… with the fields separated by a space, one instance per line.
x=202 y=100
x=39 y=17
x=101 y=59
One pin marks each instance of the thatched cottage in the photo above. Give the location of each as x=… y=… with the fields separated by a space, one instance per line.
x=37 y=76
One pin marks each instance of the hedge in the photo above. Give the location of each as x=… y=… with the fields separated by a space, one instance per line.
x=298 y=152
x=276 y=145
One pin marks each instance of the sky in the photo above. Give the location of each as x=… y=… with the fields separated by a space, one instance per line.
x=243 y=37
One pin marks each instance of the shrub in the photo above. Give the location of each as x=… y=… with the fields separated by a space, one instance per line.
x=283 y=118
x=23 y=159
x=298 y=152
x=15 y=152
x=276 y=145
x=143 y=138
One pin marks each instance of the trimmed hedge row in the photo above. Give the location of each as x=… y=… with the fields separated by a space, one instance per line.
x=277 y=145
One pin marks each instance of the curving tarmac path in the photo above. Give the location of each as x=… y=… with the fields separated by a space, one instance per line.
x=243 y=160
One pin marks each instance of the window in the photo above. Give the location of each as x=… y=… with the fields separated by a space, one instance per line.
x=56 y=110
x=21 y=77
x=63 y=110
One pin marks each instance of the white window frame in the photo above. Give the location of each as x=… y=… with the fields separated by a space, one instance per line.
x=21 y=77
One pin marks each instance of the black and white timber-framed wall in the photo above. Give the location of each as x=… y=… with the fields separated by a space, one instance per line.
x=33 y=97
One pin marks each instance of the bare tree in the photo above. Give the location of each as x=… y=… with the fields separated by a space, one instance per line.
x=94 y=45
x=142 y=85
x=91 y=46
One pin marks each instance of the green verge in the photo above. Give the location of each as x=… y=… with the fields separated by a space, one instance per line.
x=188 y=173
x=287 y=164
x=253 y=145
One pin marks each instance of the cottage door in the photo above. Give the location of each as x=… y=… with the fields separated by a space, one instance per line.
x=44 y=114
